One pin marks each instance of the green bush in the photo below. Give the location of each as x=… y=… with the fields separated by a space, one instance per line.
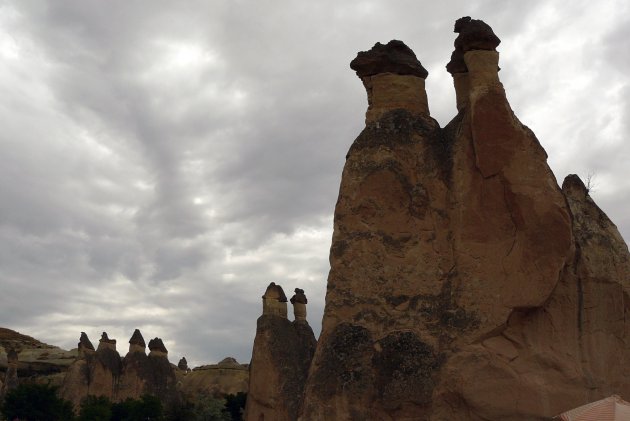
x=147 y=408
x=95 y=408
x=36 y=402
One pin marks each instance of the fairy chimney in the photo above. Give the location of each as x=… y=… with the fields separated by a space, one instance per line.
x=136 y=342
x=274 y=301
x=475 y=61
x=157 y=348
x=106 y=343
x=84 y=346
x=299 y=302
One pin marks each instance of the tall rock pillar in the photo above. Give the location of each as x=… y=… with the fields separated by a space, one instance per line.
x=281 y=357
x=378 y=353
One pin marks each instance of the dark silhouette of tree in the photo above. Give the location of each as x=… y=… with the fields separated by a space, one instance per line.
x=36 y=402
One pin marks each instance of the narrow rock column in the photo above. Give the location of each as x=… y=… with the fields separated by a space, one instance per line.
x=475 y=61
x=393 y=78
x=299 y=302
x=390 y=257
x=281 y=357
x=275 y=301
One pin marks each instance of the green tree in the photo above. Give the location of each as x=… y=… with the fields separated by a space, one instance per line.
x=235 y=405
x=95 y=408
x=147 y=408
x=36 y=402
x=209 y=409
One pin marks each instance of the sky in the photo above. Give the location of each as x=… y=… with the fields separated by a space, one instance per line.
x=162 y=161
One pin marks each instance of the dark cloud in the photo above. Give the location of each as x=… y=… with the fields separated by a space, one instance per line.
x=161 y=163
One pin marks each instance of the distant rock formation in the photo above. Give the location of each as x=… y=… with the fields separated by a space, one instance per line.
x=464 y=283
x=281 y=357
x=93 y=373
x=104 y=373
x=214 y=380
x=183 y=364
x=79 y=372
x=85 y=345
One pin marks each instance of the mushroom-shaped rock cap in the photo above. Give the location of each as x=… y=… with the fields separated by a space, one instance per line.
x=275 y=291
x=156 y=344
x=137 y=339
x=84 y=342
x=299 y=297
x=393 y=57
x=474 y=34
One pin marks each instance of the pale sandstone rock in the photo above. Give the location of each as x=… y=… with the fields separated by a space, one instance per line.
x=275 y=301
x=393 y=79
x=299 y=302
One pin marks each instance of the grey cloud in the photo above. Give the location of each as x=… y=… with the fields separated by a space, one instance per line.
x=160 y=163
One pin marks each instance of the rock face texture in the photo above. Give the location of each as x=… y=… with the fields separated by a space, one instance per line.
x=464 y=283
x=281 y=357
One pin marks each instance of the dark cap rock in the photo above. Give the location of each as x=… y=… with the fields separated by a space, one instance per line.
x=274 y=290
x=474 y=34
x=299 y=297
x=84 y=342
x=137 y=339
x=105 y=338
x=156 y=344
x=393 y=57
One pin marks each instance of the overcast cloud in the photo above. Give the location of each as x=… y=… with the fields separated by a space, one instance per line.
x=162 y=161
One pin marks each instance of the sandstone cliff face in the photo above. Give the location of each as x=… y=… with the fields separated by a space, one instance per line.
x=464 y=283
x=281 y=357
